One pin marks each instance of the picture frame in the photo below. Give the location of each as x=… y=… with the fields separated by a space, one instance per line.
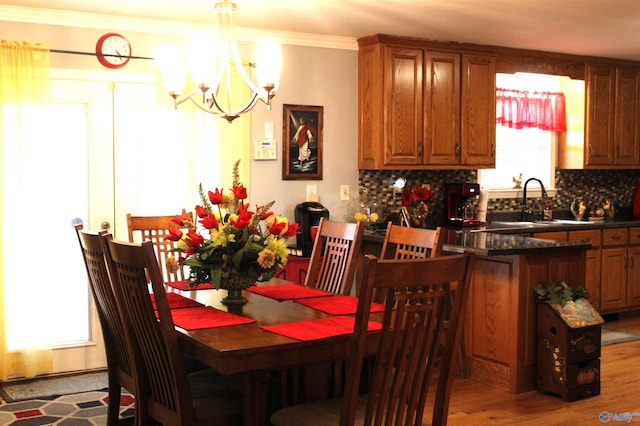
x=302 y=142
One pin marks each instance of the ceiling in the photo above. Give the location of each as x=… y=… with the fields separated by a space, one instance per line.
x=608 y=28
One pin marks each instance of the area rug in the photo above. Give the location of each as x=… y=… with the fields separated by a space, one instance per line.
x=611 y=337
x=78 y=409
x=48 y=387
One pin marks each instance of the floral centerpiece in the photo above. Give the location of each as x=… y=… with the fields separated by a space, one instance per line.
x=233 y=247
x=415 y=202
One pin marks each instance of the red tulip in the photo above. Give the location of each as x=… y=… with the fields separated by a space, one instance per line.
x=240 y=192
x=181 y=218
x=194 y=239
x=216 y=197
x=209 y=221
x=293 y=229
x=201 y=211
x=174 y=234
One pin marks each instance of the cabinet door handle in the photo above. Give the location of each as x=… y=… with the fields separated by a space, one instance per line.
x=420 y=148
x=616 y=237
x=585 y=240
x=626 y=262
x=458 y=149
x=590 y=150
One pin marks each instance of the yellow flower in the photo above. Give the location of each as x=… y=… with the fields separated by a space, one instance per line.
x=172 y=264
x=266 y=259
x=278 y=246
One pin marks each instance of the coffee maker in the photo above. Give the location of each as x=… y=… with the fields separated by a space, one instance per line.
x=308 y=216
x=460 y=208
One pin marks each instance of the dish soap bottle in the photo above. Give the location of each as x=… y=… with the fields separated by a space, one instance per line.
x=548 y=213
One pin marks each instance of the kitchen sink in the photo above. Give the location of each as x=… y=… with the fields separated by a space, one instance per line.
x=568 y=221
x=504 y=225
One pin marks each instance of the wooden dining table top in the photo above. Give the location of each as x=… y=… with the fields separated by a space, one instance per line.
x=247 y=347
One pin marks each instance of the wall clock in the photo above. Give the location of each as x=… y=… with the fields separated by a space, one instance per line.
x=113 y=44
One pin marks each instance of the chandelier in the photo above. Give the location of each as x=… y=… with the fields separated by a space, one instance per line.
x=213 y=65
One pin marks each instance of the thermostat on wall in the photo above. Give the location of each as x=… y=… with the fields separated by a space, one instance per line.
x=264 y=149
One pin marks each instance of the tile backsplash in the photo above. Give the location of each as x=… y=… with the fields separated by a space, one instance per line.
x=594 y=186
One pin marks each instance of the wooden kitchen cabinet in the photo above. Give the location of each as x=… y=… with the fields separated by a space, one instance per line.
x=614 y=272
x=593 y=261
x=424 y=108
x=612 y=125
x=633 y=271
x=593 y=257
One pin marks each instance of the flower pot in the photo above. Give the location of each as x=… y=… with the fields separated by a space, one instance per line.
x=234 y=283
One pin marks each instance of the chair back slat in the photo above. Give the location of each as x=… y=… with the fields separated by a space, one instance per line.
x=413 y=341
x=164 y=379
x=334 y=256
x=156 y=229
x=401 y=242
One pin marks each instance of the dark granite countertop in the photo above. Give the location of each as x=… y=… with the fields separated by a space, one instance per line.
x=513 y=238
x=494 y=244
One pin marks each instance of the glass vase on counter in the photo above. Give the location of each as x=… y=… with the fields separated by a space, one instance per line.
x=363 y=209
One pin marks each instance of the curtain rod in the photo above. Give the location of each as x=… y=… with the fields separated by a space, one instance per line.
x=75 y=52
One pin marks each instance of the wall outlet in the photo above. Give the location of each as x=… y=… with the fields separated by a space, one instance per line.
x=344 y=192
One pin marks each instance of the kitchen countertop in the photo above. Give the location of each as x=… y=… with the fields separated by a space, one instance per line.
x=512 y=238
x=492 y=244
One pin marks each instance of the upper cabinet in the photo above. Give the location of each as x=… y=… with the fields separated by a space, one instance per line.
x=612 y=120
x=424 y=108
x=612 y=125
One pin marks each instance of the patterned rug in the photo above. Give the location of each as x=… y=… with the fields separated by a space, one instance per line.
x=79 y=409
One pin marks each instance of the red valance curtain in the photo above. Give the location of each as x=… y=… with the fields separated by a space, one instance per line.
x=519 y=109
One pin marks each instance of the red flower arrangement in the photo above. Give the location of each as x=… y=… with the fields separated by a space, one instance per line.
x=414 y=200
x=234 y=241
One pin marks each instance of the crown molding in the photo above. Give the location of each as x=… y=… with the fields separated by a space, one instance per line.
x=29 y=15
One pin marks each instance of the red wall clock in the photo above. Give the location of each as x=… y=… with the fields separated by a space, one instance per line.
x=116 y=48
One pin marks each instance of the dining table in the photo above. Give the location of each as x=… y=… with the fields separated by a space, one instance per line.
x=276 y=329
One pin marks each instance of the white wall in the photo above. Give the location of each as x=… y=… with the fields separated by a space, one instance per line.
x=313 y=76
x=310 y=76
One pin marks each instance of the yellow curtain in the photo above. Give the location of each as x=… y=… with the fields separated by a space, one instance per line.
x=24 y=81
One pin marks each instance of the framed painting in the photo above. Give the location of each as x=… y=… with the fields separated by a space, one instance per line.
x=302 y=142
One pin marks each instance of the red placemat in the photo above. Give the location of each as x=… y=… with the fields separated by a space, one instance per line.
x=319 y=328
x=177 y=301
x=288 y=291
x=337 y=305
x=206 y=317
x=182 y=285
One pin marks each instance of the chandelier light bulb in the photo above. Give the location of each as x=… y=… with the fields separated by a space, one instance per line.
x=215 y=64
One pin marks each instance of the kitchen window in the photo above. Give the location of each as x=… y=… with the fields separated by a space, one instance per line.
x=531 y=151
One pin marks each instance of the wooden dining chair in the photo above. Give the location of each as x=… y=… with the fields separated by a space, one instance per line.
x=155 y=229
x=401 y=242
x=332 y=267
x=335 y=255
x=171 y=396
x=407 y=384
x=120 y=367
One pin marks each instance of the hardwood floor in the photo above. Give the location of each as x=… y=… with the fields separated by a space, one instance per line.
x=475 y=404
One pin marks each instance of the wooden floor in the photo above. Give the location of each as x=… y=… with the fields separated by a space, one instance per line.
x=476 y=404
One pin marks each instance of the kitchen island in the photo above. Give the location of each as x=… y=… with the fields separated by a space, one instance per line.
x=500 y=321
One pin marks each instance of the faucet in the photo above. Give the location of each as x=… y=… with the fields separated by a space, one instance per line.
x=526 y=211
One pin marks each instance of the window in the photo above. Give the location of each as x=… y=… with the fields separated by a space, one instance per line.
x=530 y=151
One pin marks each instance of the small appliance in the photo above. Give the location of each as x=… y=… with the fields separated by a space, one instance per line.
x=460 y=203
x=308 y=216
